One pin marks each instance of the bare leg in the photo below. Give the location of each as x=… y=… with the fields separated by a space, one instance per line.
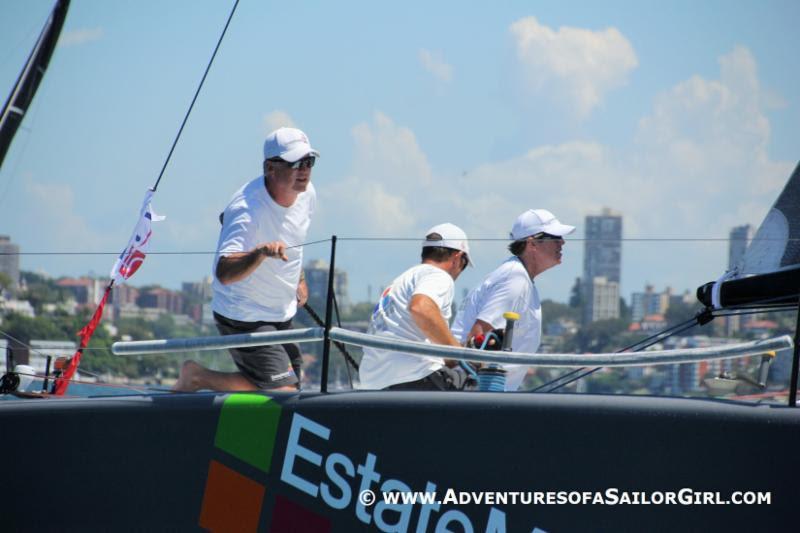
x=194 y=377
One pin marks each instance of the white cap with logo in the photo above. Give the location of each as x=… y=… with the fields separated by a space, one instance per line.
x=535 y=221
x=290 y=144
x=452 y=237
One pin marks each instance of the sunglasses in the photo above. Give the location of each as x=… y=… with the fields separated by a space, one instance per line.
x=306 y=162
x=546 y=237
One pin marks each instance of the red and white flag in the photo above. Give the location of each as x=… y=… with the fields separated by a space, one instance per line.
x=126 y=266
x=134 y=253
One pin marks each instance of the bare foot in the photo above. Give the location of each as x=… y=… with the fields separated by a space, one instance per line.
x=187 y=381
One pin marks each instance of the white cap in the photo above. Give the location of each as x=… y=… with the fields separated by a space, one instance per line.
x=290 y=144
x=535 y=221
x=452 y=237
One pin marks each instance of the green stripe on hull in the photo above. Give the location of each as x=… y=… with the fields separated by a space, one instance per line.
x=247 y=427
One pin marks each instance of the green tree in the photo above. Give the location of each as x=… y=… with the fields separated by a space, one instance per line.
x=599 y=336
x=679 y=312
x=576 y=295
x=5 y=281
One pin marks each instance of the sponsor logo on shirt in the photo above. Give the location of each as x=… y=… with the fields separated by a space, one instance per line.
x=383 y=303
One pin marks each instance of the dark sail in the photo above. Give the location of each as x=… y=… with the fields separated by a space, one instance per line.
x=769 y=272
x=30 y=77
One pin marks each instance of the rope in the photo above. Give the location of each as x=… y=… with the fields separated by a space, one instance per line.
x=208 y=252
x=657 y=336
x=197 y=92
x=138 y=388
x=339 y=323
x=354 y=239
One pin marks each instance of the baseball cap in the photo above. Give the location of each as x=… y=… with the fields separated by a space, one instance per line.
x=535 y=221
x=452 y=237
x=290 y=144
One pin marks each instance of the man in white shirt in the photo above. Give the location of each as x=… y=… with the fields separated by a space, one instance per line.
x=537 y=239
x=416 y=306
x=258 y=282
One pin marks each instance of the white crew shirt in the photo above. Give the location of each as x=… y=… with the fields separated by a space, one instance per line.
x=507 y=288
x=253 y=218
x=391 y=318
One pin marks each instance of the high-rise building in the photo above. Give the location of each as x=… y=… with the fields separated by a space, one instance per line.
x=316 y=272
x=650 y=302
x=602 y=260
x=9 y=260
x=740 y=238
x=604 y=301
x=200 y=290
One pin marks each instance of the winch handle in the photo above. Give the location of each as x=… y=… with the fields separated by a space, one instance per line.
x=510 y=317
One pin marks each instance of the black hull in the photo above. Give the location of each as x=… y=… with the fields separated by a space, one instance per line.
x=298 y=462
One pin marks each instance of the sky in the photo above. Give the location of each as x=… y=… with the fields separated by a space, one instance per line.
x=679 y=115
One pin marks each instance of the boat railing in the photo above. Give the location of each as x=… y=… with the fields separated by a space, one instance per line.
x=656 y=357
x=242 y=340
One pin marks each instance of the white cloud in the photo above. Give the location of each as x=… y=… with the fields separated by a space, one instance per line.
x=708 y=140
x=277 y=119
x=383 y=195
x=434 y=63
x=81 y=36
x=574 y=66
x=699 y=167
x=55 y=209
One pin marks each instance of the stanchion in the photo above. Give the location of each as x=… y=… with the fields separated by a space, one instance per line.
x=326 y=346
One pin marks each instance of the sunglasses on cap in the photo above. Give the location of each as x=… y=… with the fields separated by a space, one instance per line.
x=306 y=162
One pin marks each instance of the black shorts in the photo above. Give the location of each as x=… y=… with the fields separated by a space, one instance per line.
x=444 y=379
x=268 y=367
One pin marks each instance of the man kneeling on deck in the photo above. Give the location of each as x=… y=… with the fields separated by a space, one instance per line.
x=258 y=281
x=416 y=306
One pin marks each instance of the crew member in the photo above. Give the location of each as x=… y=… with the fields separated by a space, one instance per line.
x=537 y=240
x=258 y=282
x=416 y=306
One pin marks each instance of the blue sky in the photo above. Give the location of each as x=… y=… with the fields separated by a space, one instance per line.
x=679 y=115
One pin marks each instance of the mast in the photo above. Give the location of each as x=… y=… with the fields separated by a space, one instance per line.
x=30 y=77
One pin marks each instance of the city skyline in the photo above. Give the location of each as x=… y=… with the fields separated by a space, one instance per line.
x=562 y=106
x=739 y=238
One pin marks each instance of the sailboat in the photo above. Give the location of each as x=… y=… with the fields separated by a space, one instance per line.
x=422 y=462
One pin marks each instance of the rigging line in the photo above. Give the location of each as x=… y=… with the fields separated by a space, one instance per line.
x=45 y=354
x=148 y=253
x=340 y=346
x=138 y=388
x=31 y=348
x=656 y=337
x=196 y=94
x=593 y=370
x=625 y=239
x=339 y=323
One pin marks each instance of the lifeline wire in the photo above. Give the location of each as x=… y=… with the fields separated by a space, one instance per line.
x=339 y=323
x=593 y=370
x=149 y=253
x=661 y=336
x=658 y=336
